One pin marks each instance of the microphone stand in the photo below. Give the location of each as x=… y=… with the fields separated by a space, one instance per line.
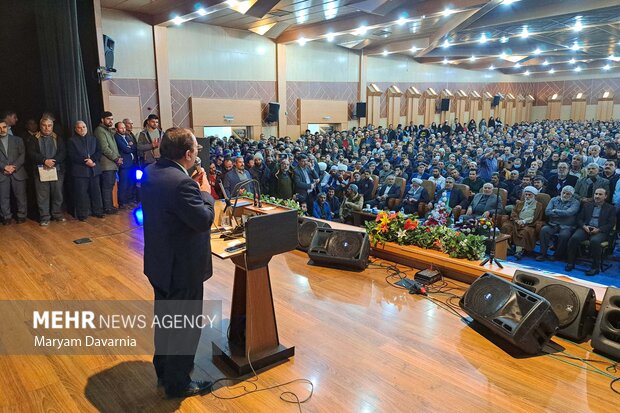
x=491 y=258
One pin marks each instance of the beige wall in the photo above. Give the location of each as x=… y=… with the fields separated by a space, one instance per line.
x=404 y=69
x=201 y=52
x=316 y=62
x=134 y=57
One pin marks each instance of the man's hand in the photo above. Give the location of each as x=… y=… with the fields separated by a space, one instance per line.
x=586 y=229
x=9 y=169
x=89 y=162
x=156 y=143
x=119 y=161
x=594 y=231
x=49 y=163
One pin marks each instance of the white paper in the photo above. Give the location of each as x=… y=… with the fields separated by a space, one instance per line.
x=47 y=174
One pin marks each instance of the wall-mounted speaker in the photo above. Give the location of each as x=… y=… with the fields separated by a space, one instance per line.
x=305 y=231
x=573 y=304
x=360 y=110
x=108 y=49
x=339 y=248
x=513 y=313
x=496 y=100
x=606 y=335
x=445 y=105
x=274 y=112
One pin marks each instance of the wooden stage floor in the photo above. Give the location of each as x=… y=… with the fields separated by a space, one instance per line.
x=366 y=345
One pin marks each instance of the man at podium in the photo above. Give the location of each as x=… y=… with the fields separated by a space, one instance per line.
x=178 y=213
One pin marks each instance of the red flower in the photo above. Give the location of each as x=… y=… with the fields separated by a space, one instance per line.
x=428 y=229
x=392 y=216
x=383 y=228
x=410 y=225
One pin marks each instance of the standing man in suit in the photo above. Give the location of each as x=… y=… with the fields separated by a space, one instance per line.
x=305 y=181
x=178 y=214
x=84 y=155
x=595 y=222
x=47 y=151
x=110 y=160
x=128 y=153
x=236 y=175
x=12 y=175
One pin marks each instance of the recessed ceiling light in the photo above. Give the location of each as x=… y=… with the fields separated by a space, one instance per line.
x=503 y=55
x=578 y=26
x=572 y=61
x=385 y=53
x=446 y=43
x=526 y=73
x=472 y=59
x=575 y=46
x=330 y=37
x=445 y=61
x=517 y=65
x=504 y=39
x=201 y=12
x=537 y=51
x=545 y=63
x=360 y=31
x=509 y=2
x=401 y=21
x=525 y=33
x=551 y=71
x=178 y=20
x=614 y=58
x=606 y=67
x=578 y=69
x=232 y=3
x=414 y=49
x=447 y=11
x=483 y=38
x=302 y=41
x=491 y=67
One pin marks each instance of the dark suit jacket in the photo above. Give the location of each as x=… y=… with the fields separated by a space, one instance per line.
x=606 y=221
x=456 y=198
x=177 y=222
x=81 y=148
x=16 y=156
x=552 y=184
x=126 y=151
x=394 y=191
x=301 y=187
x=231 y=179
x=34 y=152
x=489 y=206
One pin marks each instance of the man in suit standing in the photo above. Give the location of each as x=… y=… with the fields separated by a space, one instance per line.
x=110 y=160
x=84 y=154
x=305 y=181
x=178 y=214
x=236 y=175
x=595 y=222
x=128 y=153
x=12 y=175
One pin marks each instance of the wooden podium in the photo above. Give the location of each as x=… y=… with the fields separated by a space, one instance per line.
x=253 y=333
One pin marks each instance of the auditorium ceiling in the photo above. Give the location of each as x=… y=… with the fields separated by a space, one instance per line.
x=522 y=37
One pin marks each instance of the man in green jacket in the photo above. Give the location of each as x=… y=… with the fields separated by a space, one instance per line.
x=110 y=160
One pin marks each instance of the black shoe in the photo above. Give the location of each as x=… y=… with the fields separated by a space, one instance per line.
x=99 y=215
x=59 y=219
x=541 y=257
x=112 y=211
x=82 y=219
x=569 y=267
x=194 y=388
x=592 y=271
x=5 y=221
x=20 y=220
x=44 y=223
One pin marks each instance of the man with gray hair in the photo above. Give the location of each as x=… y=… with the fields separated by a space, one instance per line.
x=558 y=181
x=353 y=201
x=585 y=187
x=561 y=212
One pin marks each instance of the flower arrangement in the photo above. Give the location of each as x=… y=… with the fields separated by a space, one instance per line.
x=480 y=226
x=289 y=203
x=439 y=216
x=407 y=230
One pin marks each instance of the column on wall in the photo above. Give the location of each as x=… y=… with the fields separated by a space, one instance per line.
x=373 y=104
x=474 y=106
x=162 y=70
x=578 y=107
x=529 y=104
x=461 y=104
x=509 y=105
x=413 y=105
x=393 y=105
x=487 y=99
x=519 y=108
x=430 y=99
x=444 y=115
x=554 y=107
x=281 y=88
x=605 y=106
x=361 y=84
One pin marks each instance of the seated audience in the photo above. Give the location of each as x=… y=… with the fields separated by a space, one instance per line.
x=386 y=192
x=321 y=208
x=352 y=201
x=561 y=215
x=522 y=224
x=559 y=180
x=585 y=187
x=456 y=200
x=417 y=194
x=483 y=204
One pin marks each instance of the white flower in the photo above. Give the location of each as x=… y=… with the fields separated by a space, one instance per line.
x=401 y=233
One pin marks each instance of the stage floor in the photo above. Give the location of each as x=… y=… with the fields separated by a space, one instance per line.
x=367 y=346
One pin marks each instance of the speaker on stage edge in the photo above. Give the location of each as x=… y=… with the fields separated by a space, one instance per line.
x=517 y=315
x=339 y=248
x=606 y=334
x=274 y=112
x=360 y=110
x=573 y=304
x=305 y=231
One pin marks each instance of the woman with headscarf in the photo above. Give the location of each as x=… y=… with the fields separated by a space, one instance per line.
x=522 y=224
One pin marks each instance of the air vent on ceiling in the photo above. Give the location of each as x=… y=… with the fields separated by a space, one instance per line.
x=278 y=13
x=382 y=33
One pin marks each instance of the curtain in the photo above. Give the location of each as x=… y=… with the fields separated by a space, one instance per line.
x=61 y=58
